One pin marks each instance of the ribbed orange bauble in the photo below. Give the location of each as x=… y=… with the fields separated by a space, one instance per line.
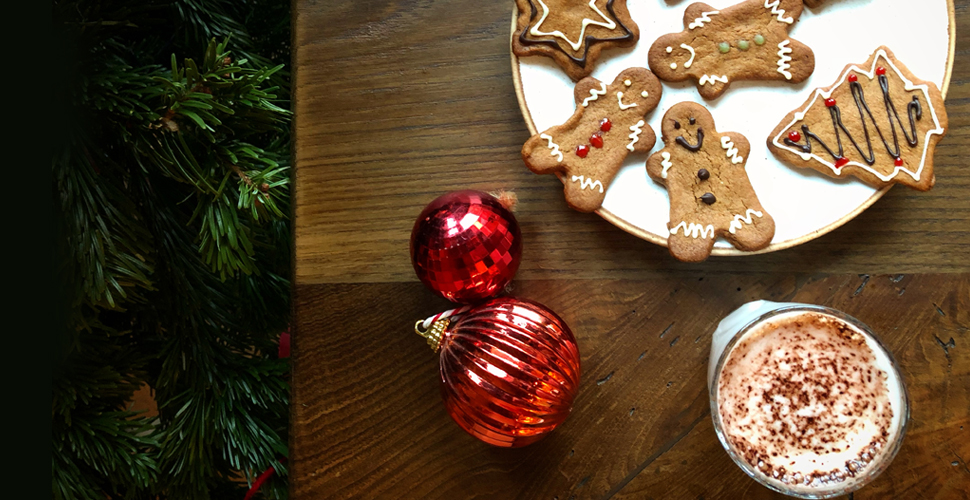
x=509 y=369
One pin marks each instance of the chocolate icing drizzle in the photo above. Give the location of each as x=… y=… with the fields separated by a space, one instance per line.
x=913 y=109
x=590 y=39
x=692 y=147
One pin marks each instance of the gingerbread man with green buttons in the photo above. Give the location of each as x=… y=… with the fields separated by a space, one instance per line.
x=747 y=41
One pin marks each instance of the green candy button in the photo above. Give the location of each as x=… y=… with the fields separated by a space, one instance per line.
x=724 y=47
x=759 y=39
x=743 y=45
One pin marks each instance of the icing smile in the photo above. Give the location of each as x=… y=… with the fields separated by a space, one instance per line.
x=692 y=147
x=619 y=100
x=689 y=61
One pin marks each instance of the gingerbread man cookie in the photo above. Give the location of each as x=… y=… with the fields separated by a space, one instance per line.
x=878 y=122
x=589 y=148
x=710 y=194
x=572 y=32
x=747 y=41
x=813 y=3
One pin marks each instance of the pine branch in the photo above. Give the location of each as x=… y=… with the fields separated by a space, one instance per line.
x=173 y=190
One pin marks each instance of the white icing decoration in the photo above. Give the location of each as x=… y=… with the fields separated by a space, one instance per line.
x=553 y=146
x=673 y=65
x=784 y=58
x=609 y=24
x=619 y=99
x=644 y=94
x=691 y=50
x=732 y=152
x=712 y=79
x=694 y=230
x=635 y=132
x=775 y=11
x=746 y=218
x=666 y=164
x=670 y=49
x=595 y=94
x=627 y=83
x=587 y=183
x=908 y=85
x=705 y=18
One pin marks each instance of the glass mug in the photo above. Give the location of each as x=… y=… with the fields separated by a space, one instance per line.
x=805 y=399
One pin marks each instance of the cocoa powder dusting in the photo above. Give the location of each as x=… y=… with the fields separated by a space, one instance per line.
x=808 y=404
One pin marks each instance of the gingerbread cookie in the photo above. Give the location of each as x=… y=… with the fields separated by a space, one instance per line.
x=747 y=41
x=878 y=122
x=710 y=194
x=588 y=150
x=814 y=3
x=572 y=32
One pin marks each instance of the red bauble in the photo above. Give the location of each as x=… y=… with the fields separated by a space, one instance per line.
x=466 y=246
x=509 y=371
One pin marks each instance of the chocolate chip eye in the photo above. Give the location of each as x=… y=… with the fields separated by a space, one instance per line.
x=692 y=120
x=676 y=124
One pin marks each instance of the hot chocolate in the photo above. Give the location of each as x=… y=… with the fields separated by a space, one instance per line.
x=810 y=402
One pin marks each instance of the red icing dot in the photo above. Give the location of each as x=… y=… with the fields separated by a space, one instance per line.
x=880 y=71
x=596 y=140
x=794 y=136
x=841 y=162
x=582 y=150
x=829 y=102
x=606 y=125
x=899 y=162
x=853 y=78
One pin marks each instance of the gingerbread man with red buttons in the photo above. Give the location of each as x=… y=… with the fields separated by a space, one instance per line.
x=588 y=149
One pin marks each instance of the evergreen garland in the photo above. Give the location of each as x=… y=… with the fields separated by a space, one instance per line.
x=171 y=194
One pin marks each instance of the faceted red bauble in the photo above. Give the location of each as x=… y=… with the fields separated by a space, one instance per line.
x=509 y=371
x=466 y=246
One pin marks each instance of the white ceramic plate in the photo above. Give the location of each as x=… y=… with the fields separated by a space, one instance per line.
x=804 y=203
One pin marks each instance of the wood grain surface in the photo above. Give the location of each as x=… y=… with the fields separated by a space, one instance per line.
x=399 y=101
x=368 y=421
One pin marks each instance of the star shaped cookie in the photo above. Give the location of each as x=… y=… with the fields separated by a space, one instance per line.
x=572 y=32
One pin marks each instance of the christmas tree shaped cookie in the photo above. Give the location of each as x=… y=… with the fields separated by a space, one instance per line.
x=588 y=150
x=878 y=122
x=572 y=32
x=710 y=194
x=747 y=41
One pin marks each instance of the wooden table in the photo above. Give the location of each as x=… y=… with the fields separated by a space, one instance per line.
x=400 y=101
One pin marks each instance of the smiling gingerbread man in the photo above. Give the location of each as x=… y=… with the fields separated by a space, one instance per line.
x=747 y=41
x=710 y=194
x=588 y=149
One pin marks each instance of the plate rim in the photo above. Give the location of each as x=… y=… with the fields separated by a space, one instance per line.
x=720 y=252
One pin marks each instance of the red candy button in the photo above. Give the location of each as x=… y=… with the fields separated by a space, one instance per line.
x=880 y=71
x=606 y=125
x=899 y=162
x=829 y=103
x=841 y=162
x=853 y=78
x=582 y=150
x=596 y=140
x=794 y=136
